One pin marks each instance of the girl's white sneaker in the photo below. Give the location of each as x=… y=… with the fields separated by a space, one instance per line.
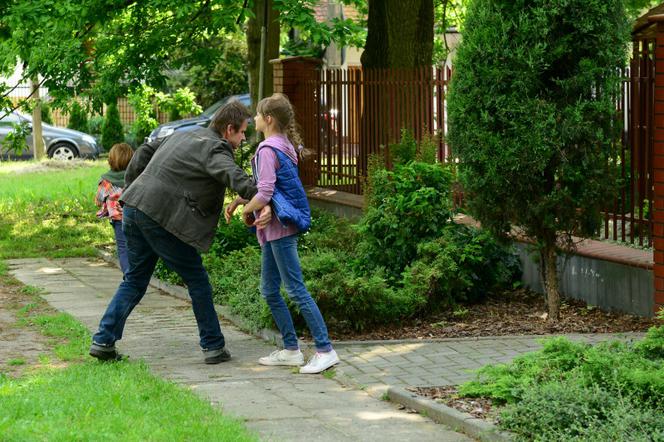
x=283 y=357
x=320 y=362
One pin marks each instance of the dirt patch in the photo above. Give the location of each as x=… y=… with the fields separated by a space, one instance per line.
x=49 y=165
x=519 y=312
x=20 y=346
x=481 y=408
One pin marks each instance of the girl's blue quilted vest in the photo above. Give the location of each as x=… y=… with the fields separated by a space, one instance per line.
x=289 y=201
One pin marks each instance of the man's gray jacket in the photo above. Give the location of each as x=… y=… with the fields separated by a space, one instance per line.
x=180 y=182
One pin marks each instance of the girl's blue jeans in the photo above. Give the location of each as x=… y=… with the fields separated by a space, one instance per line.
x=280 y=263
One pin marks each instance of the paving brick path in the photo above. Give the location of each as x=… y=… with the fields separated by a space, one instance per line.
x=433 y=363
x=274 y=402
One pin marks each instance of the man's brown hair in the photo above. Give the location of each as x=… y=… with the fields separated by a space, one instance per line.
x=233 y=113
x=119 y=156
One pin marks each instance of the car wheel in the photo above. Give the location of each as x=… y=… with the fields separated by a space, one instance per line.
x=63 y=151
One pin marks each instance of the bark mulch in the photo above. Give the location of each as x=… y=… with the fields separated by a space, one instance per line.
x=481 y=408
x=517 y=312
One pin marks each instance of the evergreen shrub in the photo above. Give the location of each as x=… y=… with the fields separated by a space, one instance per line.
x=406 y=206
x=78 y=117
x=112 y=131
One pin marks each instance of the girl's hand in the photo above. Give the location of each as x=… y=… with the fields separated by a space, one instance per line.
x=264 y=217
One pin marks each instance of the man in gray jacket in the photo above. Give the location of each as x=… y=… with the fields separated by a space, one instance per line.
x=174 y=195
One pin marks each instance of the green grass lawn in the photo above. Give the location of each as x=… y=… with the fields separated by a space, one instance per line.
x=49 y=210
x=69 y=396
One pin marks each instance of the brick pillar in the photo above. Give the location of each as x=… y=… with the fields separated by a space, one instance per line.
x=658 y=165
x=291 y=76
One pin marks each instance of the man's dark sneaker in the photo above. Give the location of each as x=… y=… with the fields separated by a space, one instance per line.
x=216 y=356
x=104 y=353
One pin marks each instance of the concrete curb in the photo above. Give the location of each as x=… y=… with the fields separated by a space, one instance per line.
x=474 y=427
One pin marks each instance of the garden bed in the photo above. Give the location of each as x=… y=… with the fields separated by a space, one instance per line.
x=518 y=312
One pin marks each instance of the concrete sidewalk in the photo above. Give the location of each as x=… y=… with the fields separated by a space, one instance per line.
x=276 y=403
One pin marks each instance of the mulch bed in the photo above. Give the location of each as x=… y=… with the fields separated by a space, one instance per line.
x=518 y=312
x=481 y=408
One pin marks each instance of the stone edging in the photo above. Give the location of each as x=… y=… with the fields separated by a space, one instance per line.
x=457 y=420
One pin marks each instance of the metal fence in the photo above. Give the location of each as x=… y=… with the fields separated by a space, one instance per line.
x=352 y=114
x=629 y=217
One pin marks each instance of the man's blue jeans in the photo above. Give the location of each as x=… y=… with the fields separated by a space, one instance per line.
x=121 y=244
x=280 y=262
x=146 y=242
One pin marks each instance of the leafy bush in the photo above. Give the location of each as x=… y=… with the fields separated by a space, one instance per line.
x=230 y=237
x=235 y=280
x=162 y=272
x=95 y=125
x=112 y=132
x=652 y=347
x=569 y=410
x=572 y=391
x=179 y=104
x=462 y=265
x=326 y=231
x=405 y=150
x=78 y=117
x=145 y=122
x=355 y=300
x=405 y=207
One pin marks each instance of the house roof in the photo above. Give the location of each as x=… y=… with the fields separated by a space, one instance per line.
x=322 y=8
x=642 y=26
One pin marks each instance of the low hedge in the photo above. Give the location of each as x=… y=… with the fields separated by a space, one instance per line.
x=575 y=391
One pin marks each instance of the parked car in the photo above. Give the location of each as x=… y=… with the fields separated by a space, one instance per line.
x=60 y=143
x=203 y=120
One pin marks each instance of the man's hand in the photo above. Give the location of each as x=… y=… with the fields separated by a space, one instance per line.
x=230 y=209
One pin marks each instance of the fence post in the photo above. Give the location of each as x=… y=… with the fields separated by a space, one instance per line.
x=658 y=166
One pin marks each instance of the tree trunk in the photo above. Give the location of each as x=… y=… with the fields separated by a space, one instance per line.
x=550 y=279
x=254 y=48
x=37 y=140
x=400 y=34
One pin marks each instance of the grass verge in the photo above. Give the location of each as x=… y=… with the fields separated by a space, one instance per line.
x=48 y=210
x=69 y=396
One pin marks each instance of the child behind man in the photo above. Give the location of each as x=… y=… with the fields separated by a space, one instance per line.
x=108 y=194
